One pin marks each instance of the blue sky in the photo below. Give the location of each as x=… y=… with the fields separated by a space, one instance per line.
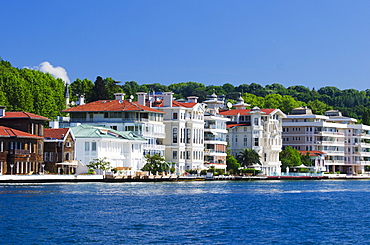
x=311 y=43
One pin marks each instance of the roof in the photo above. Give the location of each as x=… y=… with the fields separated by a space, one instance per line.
x=111 y=106
x=90 y=131
x=175 y=103
x=55 y=133
x=9 y=132
x=23 y=114
x=243 y=112
x=237 y=125
x=312 y=153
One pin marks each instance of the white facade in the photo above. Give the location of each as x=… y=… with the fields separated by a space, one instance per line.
x=123 y=115
x=184 y=125
x=93 y=142
x=215 y=134
x=257 y=129
x=346 y=144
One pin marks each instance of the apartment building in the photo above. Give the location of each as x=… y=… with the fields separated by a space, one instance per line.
x=122 y=115
x=215 y=133
x=184 y=125
x=257 y=129
x=346 y=144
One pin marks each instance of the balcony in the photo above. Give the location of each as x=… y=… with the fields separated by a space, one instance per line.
x=19 y=152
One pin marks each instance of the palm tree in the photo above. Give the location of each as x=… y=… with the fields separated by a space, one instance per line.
x=248 y=157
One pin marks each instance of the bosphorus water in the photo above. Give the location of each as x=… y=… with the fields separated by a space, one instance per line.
x=214 y=212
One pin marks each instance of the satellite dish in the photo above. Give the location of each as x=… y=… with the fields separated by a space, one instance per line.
x=229 y=105
x=131 y=96
x=151 y=99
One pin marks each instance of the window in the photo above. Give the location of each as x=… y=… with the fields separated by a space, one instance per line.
x=68 y=156
x=256 y=141
x=46 y=156
x=87 y=146
x=113 y=127
x=188 y=135
x=51 y=157
x=174 y=135
x=68 y=144
x=174 y=154
x=245 y=141
x=93 y=146
x=174 y=115
x=188 y=155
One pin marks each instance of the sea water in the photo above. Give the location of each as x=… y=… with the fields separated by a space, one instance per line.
x=204 y=212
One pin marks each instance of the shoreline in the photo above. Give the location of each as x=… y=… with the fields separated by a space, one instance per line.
x=109 y=179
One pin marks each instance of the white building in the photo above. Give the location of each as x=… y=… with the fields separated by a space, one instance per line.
x=257 y=129
x=122 y=115
x=346 y=144
x=184 y=123
x=215 y=134
x=122 y=149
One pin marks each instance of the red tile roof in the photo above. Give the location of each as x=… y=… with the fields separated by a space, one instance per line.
x=312 y=153
x=174 y=104
x=237 y=125
x=9 y=132
x=55 y=133
x=243 y=112
x=111 y=105
x=23 y=114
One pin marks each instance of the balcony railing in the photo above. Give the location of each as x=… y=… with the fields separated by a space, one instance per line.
x=19 y=152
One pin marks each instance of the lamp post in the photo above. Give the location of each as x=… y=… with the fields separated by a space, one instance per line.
x=11 y=168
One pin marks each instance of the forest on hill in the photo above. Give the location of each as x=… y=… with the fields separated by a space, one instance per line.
x=42 y=94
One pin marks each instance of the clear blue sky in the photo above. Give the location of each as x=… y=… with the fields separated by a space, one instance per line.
x=311 y=43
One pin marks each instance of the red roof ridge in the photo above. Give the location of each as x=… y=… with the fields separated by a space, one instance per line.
x=10 y=132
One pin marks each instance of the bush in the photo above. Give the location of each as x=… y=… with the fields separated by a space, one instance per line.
x=251 y=171
x=91 y=171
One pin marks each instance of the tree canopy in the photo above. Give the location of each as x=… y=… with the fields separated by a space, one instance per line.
x=40 y=93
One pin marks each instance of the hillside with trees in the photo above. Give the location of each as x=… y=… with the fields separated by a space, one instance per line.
x=30 y=90
x=40 y=93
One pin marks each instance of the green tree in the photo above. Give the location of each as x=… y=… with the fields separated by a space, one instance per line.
x=318 y=107
x=99 y=163
x=100 y=91
x=232 y=164
x=81 y=87
x=156 y=163
x=290 y=157
x=248 y=157
x=305 y=159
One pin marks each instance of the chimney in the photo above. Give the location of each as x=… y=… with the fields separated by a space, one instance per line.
x=193 y=99
x=141 y=98
x=119 y=96
x=167 y=99
x=2 y=111
x=81 y=100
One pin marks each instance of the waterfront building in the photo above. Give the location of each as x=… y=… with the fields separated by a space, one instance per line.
x=59 y=153
x=257 y=129
x=122 y=149
x=214 y=133
x=21 y=146
x=20 y=152
x=317 y=160
x=184 y=124
x=122 y=115
x=346 y=144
